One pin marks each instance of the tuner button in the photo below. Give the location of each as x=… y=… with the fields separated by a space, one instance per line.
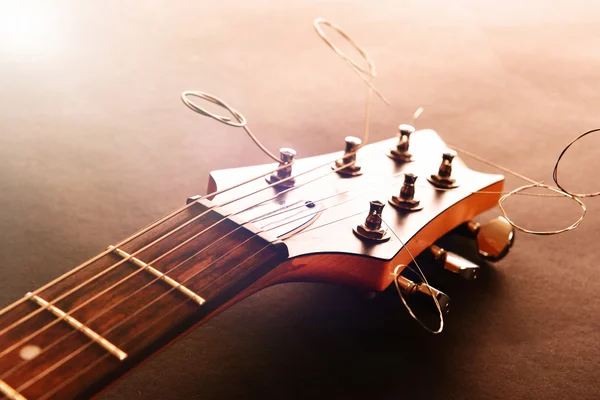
x=423 y=291
x=348 y=165
x=406 y=200
x=400 y=151
x=443 y=179
x=283 y=177
x=495 y=238
x=455 y=263
x=371 y=229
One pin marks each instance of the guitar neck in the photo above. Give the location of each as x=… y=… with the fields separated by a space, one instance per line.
x=76 y=336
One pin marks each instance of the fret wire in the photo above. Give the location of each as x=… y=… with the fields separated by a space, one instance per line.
x=83 y=348
x=130 y=238
x=253 y=220
x=111 y=328
x=81 y=372
x=170 y=251
x=266 y=215
x=30 y=315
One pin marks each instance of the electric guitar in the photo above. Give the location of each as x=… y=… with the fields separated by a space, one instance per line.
x=357 y=217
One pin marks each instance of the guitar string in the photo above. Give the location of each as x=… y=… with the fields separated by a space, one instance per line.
x=533 y=184
x=558 y=160
x=242 y=122
x=288 y=210
x=406 y=305
x=18 y=322
x=368 y=74
x=132 y=237
x=536 y=184
x=81 y=349
x=256 y=219
x=64 y=383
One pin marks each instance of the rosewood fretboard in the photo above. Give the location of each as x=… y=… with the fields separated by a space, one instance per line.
x=91 y=329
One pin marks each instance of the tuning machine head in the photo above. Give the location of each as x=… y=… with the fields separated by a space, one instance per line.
x=348 y=165
x=406 y=200
x=423 y=291
x=372 y=229
x=454 y=263
x=494 y=238
x=400 y=151
x=443 y=179
x=283 y=177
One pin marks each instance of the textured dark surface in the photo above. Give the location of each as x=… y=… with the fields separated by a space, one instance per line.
x=95 y=143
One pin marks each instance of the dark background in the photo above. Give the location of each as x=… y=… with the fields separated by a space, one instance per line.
x=95 y=143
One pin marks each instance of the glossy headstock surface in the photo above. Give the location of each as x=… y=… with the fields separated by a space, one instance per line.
x=327 y=249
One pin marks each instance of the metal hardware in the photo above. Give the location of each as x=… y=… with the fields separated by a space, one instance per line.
x=95 y=337
x=286 y=156
x=443 y=178
x=400 y=152
x=173 y=283
x=411 y=288
x=9 y=392
x=406 y=200
x=371 y=229
x=494 y=238
x=455 y=263
x=353 y=169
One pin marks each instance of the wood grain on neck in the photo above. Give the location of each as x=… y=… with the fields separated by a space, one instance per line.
x=130 y=307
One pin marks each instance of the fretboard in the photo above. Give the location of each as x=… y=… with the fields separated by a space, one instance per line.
x=78 y=335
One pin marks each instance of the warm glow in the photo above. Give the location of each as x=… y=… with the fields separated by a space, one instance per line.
x=25 y=28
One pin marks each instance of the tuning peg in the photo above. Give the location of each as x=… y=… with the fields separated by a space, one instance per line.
x=455 y=263
x=406 y=200
x=352 y=168
x=443 y=178
x=286 y=157
x=400 y=151
x=494 y=238
x=420 y=290
x=372 y=229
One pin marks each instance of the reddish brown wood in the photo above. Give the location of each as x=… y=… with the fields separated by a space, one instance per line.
x=217 y=265
x=228 y=262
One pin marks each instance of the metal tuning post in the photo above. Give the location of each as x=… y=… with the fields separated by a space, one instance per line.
x=283 y=177
x=372 y=229
x=494 y=238
x=422 y=290
x=400 y=151
x=444 y=179
x=348 y=165
x=455 y=263
x=406 y=201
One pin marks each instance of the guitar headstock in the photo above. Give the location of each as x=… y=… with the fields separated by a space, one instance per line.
x=325 y=230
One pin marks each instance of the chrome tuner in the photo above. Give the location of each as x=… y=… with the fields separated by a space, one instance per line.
x=400 y=151
x=283 y=177
x=443 y=179
x=406 y=200
x=372 y=229
x=494 y=238
x=455 y=263
x=352 y=168
x=420 y=290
